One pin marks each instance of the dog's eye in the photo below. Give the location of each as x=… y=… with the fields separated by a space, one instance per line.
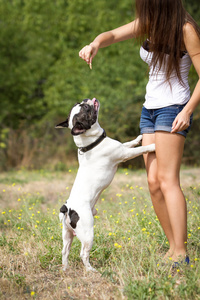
x=87 y=107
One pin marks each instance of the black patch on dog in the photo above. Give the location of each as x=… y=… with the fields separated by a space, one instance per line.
x=64 y=124
x=84 y=119
x=74 y=217
x=64 y=209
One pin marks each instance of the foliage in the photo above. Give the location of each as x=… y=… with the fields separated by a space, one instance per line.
x=42 y=76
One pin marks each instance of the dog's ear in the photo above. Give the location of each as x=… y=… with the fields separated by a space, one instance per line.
x=78 y=129
x=63 y=124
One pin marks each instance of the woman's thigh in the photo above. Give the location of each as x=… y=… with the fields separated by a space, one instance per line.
x=150 y=158
x=169 y=152
x=165 y=162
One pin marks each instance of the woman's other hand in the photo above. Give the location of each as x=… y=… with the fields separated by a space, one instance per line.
x=181 y=122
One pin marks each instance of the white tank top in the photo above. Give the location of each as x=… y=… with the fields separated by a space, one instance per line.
x=159 y=92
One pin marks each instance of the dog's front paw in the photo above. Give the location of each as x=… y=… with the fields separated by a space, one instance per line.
x=139 y=139
x=151 y=147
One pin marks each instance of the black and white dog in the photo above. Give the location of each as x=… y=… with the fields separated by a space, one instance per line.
x=98 y=157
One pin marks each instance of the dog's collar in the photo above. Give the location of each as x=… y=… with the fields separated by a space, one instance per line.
x=91 y=146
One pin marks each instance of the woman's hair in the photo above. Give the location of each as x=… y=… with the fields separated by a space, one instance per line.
x=162 y=21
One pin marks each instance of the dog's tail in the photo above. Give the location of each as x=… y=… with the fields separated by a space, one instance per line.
x=73 y=216
x=63 y=211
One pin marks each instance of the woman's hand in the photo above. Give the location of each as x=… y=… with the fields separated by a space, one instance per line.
x=181 y=122
x=88 y=52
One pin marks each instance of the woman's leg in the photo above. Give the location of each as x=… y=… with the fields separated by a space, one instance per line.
x=156 y=193
x=169 y=151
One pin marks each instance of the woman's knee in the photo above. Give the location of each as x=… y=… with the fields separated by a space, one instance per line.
x=154 y=185
x=167 y=182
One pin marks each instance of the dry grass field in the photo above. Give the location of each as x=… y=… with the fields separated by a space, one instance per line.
x=128 y=246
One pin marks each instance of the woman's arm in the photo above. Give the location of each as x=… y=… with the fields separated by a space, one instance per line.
x=192 y=44
x=108 y=38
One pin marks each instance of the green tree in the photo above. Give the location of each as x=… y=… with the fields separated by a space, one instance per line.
x=42 y=76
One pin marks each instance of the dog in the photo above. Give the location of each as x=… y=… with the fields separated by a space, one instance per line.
x=98 y=157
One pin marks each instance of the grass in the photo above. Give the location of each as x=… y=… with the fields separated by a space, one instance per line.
x=128 y=246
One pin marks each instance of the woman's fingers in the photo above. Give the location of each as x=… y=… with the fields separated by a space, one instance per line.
x=85 y=53
x=88 y=52
x=181 y=122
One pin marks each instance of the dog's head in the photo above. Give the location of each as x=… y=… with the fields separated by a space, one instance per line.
x=82 y=116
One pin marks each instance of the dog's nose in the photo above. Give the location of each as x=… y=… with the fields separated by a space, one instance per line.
x=94 y=100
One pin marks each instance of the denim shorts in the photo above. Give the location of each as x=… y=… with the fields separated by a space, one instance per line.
x=161 y=119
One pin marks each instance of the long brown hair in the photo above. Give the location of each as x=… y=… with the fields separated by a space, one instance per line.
x=162 y=21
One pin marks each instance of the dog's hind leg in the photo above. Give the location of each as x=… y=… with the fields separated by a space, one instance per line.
x=67 y=236
x=85 y=234
x=85 y=253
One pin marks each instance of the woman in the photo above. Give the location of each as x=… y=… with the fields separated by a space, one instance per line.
x=171 y=43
